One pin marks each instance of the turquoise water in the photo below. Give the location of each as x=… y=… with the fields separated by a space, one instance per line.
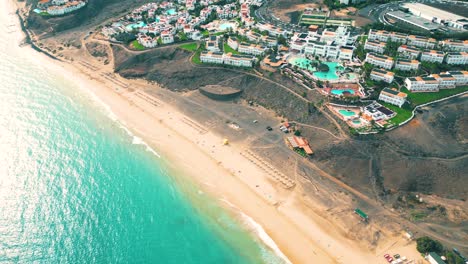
x=357 y=121
x=171 y=11
x=346 y=113
x=331 y=74
x=135 y=26
x=226 y=26
x=340 y=92
x=306 y=64
x=75 y=187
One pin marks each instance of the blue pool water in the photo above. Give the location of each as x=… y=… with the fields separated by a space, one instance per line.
x=341 y=92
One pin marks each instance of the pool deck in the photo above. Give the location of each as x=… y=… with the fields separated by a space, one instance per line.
x=334 y=108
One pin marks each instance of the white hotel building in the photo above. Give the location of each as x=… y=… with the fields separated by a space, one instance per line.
x=461 y=77
x=422 y=84
x=455 y=45
x=393 y=97
x=382 y=75
x=422 y=42
x=445 y=80
x=382 y=61
x=228 y=59
x=433 y=56
x=375 y=46
x=407 y=65
x=459 y=58
x=253 y=49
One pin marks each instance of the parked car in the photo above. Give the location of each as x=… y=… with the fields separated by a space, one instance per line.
x=269 y=128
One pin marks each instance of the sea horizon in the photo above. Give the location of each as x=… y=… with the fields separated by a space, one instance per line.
x=78 y=186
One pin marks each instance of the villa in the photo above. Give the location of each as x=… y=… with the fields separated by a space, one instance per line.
x=407 y=65
x=147 y=41
x=167 y=37
x=382 y=75
x=377 y=112
x=433 y=56
x=459 y=58
x=393 y=97
x=408 y=51
x=422 y=84
x=382 y=61
x=375 y=46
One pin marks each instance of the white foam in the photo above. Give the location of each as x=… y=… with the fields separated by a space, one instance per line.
x=266 y=239
x=260 y=232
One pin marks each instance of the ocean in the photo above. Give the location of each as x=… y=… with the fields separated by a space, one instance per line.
x=77 y=187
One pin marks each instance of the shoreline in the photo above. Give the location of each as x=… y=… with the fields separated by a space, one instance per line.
x=302 y=236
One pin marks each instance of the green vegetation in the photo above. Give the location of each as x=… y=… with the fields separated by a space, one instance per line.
x=422 y=98
x=391 y=48
x=44 y=13
x=189 y=47
x=136 y=45
x=228 y=49
x=415 y=99
x=427 y=244
x=403 y=113
x=196 y=57
x=205 y=33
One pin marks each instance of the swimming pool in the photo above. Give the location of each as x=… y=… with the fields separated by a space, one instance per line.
x=331 y=74
x=171 y=11
x=341 y=92
x=135 y=26
x=307 y=64
x=346 y=113
x=356 y=121
x=225 y=26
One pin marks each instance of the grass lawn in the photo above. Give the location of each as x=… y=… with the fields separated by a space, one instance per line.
x=402 y=113
x=44 y=13
x=416 y=99
x=196 y=57
x=422 y=98
x=205 y=33
x=228 y=49
x=137 y=45
x=189 y=46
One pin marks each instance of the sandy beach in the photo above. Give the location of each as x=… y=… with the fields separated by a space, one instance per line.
x=223 y=171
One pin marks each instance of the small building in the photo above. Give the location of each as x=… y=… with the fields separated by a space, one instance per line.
x=409 y=51
x=434 y=258
x=361 y=214
x=393 y=97
x=377 y=112
x=272 y=63
x=233 y=43
x=296 y=142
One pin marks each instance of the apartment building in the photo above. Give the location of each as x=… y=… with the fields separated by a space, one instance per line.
x=422 y=42
x=459 y=58
x=346 y=53
x=375 y=46
x=228 y=59
x=446 y=80
x=382 y=61
x=380 y=35
x=433 y=56
x=407 y=65
x=422 y=84
x=398 y=37
x=382 y=75
x=238 y=60
x=393 y=97
x=454 y=45
x=461 y=77
x=252 y=49
x=408 y=51
x=233 y=43
x=212 y=57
